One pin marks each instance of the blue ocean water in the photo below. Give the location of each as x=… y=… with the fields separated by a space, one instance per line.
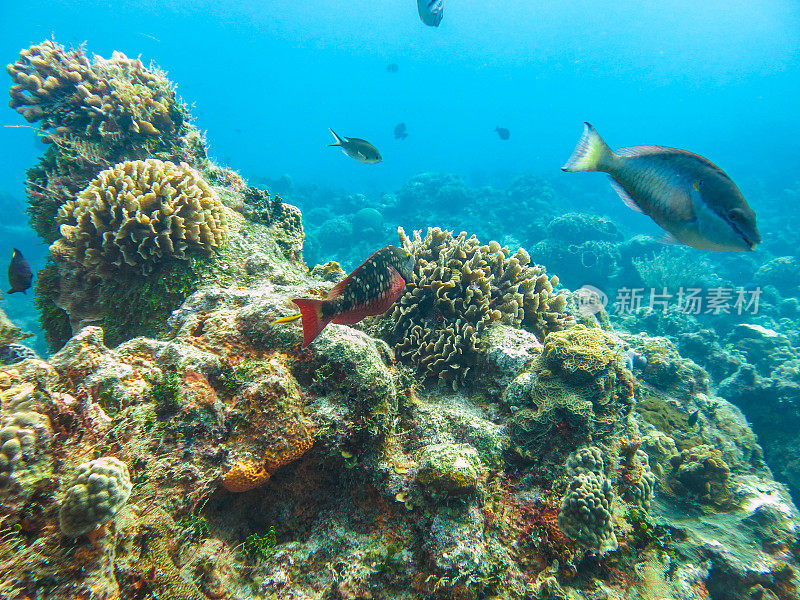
x=266 y=79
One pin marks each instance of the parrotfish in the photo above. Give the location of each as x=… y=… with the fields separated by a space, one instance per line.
x=503 y=133
x=369 y=290
x=357 y=148
x=19 y=273
x=685 y=194
x=431 y=11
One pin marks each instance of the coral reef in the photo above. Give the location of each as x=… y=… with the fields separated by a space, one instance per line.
x=135 y=215
x=459 y=287
x=580 y=389
x=99 y=489
x=585 y=514
x=260 y=469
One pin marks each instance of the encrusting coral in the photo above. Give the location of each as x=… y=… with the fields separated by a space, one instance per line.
x=137 y=213
x=100 y=488
x=459 y=287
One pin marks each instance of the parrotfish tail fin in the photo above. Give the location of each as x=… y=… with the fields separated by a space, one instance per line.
x=590 y=154
x=313 y=321
x=338 y=141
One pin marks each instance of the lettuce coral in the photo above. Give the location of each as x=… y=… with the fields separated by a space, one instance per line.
x=137 y=213
x=459 y=287
x=103 y=99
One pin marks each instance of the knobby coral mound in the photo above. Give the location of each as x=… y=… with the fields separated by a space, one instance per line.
x=459 y=287
x=100 y=488
x=585 y=514
x=137 y=213
x=102 y=99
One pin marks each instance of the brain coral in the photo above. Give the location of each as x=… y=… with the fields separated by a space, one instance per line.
x=100 y=488
x=137 y=213
x=459 y=287
x=103 y=98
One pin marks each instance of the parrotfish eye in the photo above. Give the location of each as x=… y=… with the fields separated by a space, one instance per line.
x=733 y=215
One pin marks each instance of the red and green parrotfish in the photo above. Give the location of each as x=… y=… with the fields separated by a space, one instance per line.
x=685 y=194
x=369 y=290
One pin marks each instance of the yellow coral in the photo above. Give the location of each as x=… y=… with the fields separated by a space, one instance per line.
x=459 y=287
x=103 y=98
x=137 y=213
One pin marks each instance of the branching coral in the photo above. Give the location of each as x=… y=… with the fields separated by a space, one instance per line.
x=459 y=287
x=137 y=213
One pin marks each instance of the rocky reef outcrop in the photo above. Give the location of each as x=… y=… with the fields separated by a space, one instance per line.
x=221 y=459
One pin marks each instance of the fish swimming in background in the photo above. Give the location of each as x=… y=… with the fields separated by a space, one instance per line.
x=692 y=420
x=685 y=194
x=19 y=273
x=369 y=290
x=400 y=131
x=503 y=133
x=392 y=68
x=359 y=149
x=431 y=11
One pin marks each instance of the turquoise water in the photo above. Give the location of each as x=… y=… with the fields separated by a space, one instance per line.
x=267 y=79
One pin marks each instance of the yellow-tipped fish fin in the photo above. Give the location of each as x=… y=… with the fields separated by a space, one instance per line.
x=591 y=153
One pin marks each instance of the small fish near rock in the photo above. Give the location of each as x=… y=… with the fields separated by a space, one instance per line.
x=431 y=11
x=19 y=273
x=503 y=133
x=400 y=131
x=369 y=290
x=356 y=148
x=685 y=194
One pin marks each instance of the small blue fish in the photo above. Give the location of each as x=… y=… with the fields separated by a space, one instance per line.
x=685 y=194
x=431 y=11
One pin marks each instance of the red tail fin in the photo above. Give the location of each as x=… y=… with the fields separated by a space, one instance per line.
x=313 y=321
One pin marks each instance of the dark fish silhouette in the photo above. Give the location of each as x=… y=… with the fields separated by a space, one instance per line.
x=392 y=68
x=685 y=194
x=431 y=11
x=692 y=420
x=503 y=133
x=400 y=131
x=19 y=273
x=359 y=149
x=369 y=290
